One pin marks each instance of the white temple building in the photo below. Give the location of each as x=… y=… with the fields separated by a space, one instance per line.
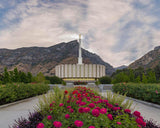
x=80 y=71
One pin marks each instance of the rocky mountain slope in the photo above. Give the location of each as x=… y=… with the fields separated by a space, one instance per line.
x=149 y=60
x=44 y=59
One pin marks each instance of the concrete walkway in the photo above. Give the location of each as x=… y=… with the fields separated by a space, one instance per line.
x=10 y=113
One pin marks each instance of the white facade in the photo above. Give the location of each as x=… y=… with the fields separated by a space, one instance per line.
x=80 y=71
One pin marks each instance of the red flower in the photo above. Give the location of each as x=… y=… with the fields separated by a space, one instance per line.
x=65 y=92
x=103 y=111
x=127 y=110
x=137 y=113
x=49 y=117
x=61 y=104
x=110 y=116
x=78 y=123
x=40 y=125
x=140 y=121
x=68 y=107
x=57 y=124
x=119 y=123
x=86 y=109
x=91 y=105
x=95 y=112
x=91 y=127
x=80 y=110
x=79 y=95
x=67 y=116
x=71 y=110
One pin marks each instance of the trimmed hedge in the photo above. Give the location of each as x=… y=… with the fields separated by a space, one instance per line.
x=146 y=92
x=18 y=91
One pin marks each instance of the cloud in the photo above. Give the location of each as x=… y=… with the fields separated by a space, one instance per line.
x=118 y=30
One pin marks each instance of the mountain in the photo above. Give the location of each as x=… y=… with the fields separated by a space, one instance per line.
x=149 y=60
x=44 y=59
x=121 y=67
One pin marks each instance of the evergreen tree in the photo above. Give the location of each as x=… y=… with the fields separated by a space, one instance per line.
x=29 y=77
x=11 y=76
x=16 y=77
x=138 y=79
x=151 y=77
x=131 y=75
x=6 y=77
x=144 y=79
x=23 y=77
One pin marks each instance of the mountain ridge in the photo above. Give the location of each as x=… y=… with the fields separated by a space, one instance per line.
x=149 y=60
x=44 y=59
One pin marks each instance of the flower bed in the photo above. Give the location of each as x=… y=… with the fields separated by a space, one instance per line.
x=146 y=92
x=81 y=107
x=18 y=91
x=80 y=83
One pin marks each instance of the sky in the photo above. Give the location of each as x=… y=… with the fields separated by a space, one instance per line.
x=119 y=31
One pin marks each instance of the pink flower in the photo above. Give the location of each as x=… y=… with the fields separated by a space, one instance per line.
x=91 y=127
x=127 y=110
x=68 y=106
x=98 y=108
x=109 y=105
x=67 y=116
x=40 y=125
x=71 y=110
x=139 y=126
x=83 y=103
x=95 y=112
x=140 y=121
x=86 y=109
x=119 y=123
x=88 y=99
x=49 y=117
x=110 y=116
x=156 y=92
x=78 y=123
x=61 y=104
x=137 y=113
x=103 y=111
x=80 y=110
x=57 y=124
x=91 y=105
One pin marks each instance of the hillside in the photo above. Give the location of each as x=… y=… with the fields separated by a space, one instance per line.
x=44 y=59
x=149 y=60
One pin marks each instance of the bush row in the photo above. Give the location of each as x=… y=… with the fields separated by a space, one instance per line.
x=146 y=92
x=17 y=91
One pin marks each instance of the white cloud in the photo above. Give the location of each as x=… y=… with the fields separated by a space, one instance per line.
x=39 y=23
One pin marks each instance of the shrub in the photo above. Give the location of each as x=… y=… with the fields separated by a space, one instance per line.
x=54 y=80
x=17 y=91
x=146 y=92
x=105 y=80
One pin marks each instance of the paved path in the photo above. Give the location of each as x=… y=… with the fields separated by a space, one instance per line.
x=13 y=112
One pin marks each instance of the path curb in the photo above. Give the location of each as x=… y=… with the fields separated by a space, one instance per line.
x=17 y=102
x=144 y=102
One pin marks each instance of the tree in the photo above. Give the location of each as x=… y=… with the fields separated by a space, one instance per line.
x=40 y=78
x=131 y=75
x=16 y=77
x=54 y=80
x=138 y=79
x=121 y=77
x=6 y=77
x=144 y=78
x=23 y=77
x=29 y=77
x=105 y=80
x=151 y=77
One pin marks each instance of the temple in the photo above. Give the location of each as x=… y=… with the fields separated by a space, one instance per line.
x=80 y=71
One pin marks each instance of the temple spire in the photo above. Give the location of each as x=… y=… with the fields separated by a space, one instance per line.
x=80 y=51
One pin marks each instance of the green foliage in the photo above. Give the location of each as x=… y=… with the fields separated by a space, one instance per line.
x=6 y=77
x=40 y=78
x=97 y=82
x=54 y=79
x=121 y=77
x=15 y=76
x=144 y=79
x=17 y=91
x=137 y=75
x=146 y=92
x=105 y=80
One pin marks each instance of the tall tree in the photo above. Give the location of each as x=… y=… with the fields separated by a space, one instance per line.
x=16 y=76
x=6 y=77
x=144 y=79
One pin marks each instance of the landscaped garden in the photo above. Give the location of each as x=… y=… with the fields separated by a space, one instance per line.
x=145 y=92
x=85 y=108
